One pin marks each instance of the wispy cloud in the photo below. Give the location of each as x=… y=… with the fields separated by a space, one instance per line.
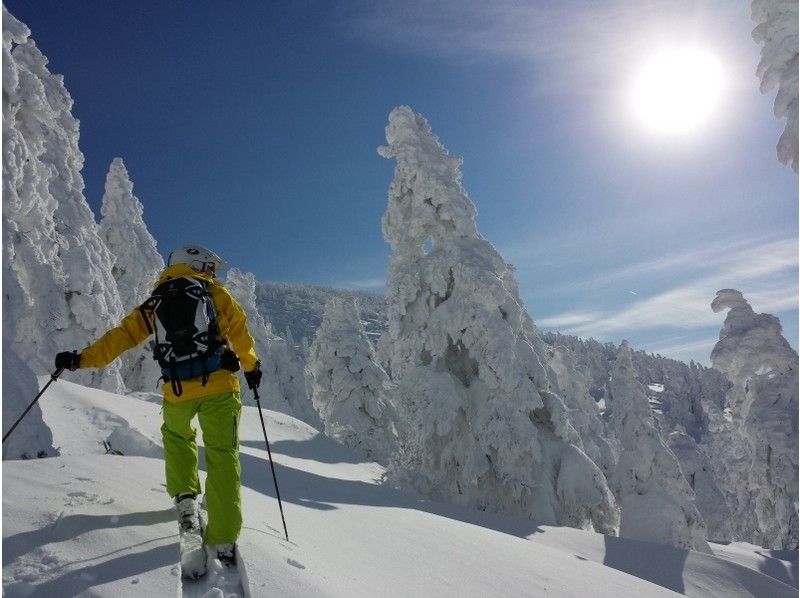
x=706 y=258
x=592 y=38
x=766 y=273
x=683 y=349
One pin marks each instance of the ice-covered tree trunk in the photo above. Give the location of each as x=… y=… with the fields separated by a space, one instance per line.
x=656 y=502
x=348 y=386
x=283 y=386
x=777 y=33
x=477 y=420
x=58 y=290
x=762 y=403
x=137 y=265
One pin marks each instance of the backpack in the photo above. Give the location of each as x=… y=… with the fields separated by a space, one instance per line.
x=184 y=321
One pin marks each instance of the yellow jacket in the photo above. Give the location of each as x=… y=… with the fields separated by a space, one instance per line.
x=133 y=330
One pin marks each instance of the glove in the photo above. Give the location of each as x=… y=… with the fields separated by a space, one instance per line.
x=68 y=361
x=253 y=377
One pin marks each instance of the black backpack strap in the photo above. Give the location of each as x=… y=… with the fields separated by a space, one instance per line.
x=148 y=310
x=177 y=387
x=206 y=373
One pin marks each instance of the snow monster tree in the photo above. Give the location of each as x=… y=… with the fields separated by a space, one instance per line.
x=284 y=385
x=477 y=420
x=58 y=291
x=776 y=32
x=762 y=402
x=137 y=265
x=656 y=501
x=348 y=386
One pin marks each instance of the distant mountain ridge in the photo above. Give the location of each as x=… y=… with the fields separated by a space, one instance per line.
x=296 y=309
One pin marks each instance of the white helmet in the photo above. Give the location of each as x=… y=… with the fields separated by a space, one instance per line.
x=199 y=258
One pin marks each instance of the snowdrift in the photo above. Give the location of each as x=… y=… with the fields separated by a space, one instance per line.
x=91 y=522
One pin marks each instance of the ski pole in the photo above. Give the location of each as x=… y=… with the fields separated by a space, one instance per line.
x=272 y=466
x=53 y=377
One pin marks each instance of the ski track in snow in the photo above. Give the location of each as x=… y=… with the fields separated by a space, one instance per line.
x=94 y=524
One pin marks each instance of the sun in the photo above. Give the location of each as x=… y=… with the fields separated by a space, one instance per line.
x=678 y=90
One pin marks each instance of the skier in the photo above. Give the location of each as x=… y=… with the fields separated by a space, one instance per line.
x=201 y=336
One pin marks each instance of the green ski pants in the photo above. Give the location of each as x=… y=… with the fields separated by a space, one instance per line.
x=219 y=421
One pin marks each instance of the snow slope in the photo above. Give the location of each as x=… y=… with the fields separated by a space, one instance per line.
x=90 y=523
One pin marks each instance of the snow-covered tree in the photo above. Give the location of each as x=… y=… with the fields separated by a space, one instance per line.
x=348 y=386
x=283 y=386
x=762 y=408
x=477 y=420
x=58 y=290
x=573 y=386
x=32 y=437
x=777 y=33
x=699 y=472
x=288 y=369
x=137 y=264
x=656 y=502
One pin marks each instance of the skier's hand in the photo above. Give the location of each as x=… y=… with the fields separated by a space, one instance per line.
x=68 y=361
x=253 y=377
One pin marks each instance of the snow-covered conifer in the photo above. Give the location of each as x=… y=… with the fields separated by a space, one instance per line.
x=283 y=386
x=777 y=33
x=31 y=437
x=573 y=386
x=698 y=471
x=762 y=404
x=242 y=286
x=477 y=420
x=57 y=271
x=348 y=385
x=288 y=369
x=656 y=502
x=137 y=264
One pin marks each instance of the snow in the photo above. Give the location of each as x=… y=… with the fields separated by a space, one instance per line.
x=517 y=431
x=57 y=279
x=137 y=265
x=656 y=502
x=479 y=422
x=348 y=386
x=756 y=450
x=776 y=32
x=283 y=385
x=88 y=523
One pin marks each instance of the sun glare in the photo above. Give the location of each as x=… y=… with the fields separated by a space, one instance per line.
x=678 y=90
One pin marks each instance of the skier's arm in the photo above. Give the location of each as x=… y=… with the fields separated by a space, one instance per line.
x=132 y=331
x=233 y=327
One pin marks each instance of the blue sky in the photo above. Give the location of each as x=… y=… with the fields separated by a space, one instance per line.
x=251 y=127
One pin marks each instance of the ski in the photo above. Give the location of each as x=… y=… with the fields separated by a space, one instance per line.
x=193 y=552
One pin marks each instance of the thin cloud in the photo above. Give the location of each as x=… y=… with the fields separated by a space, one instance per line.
x=595 y=40
x=569 y=319
x=731 y=256
x=767 y=274
x=679 y=350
